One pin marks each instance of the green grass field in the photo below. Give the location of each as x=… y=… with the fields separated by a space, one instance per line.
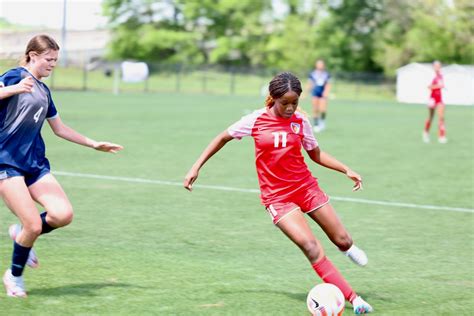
x=155 y=249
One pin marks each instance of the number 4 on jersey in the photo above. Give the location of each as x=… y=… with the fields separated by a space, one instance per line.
x=276 y=139
x=37 y=115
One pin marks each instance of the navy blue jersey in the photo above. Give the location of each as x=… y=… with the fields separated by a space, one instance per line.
x=21 y=118
x=319 y=79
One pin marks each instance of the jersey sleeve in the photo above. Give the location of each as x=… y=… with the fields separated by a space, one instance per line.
x=52 y=112
x=309 y=141
x=10 y=78
x=244 y=126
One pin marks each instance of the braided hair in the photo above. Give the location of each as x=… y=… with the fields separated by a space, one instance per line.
x=281 y=84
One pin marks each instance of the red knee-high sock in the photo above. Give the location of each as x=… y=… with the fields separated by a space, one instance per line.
x=427 y=125
x=329 y=273
x=442 y=128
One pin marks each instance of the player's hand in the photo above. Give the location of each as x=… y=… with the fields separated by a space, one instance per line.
x=107 y=147
x=354 y=176
x=190 y=178
x=25 y=85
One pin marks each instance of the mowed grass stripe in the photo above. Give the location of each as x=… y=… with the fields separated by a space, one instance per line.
x=225 y=188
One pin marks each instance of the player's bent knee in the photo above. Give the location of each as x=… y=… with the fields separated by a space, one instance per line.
x=33 y=229
x=343 y=241
x=312 y=250
x=61 y=217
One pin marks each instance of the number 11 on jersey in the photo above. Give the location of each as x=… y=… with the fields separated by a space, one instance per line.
x=276 y=139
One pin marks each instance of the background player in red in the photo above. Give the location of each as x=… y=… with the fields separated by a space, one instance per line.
x=288 y=189
x=436 y=102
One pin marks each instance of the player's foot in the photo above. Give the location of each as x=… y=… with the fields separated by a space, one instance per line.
x=426 y=137
x=317 y=129
x=32 y=261
x=322 y=126
x=361 y=306
x=14 y=285
x=357 y=255
x=442 y=140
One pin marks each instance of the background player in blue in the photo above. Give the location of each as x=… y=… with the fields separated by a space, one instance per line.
x=25 y=178
x=319 y=86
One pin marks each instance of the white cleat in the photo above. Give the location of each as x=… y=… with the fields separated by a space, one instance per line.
x=361 y=306
x=14 y=285
x=32 y=261
x=426 y=137
x=317 y=129
x=357 y=255
x=322 y=125
x=442 y=140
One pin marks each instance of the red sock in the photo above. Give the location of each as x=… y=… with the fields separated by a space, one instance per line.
x=328 y=272
x=442 y=129
x=427 y=125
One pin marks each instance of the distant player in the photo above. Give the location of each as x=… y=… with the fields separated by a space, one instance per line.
x=288 y=190
x=436 y=102
x=319 y=84
x=25 y=177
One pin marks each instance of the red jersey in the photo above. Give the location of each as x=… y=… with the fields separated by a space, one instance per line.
x=437 y=80
x=281 y=168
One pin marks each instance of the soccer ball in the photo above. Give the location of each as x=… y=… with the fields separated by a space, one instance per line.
x=325 y=300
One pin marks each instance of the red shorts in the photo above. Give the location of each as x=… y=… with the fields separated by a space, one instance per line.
x=435 y=101
x=306 y=200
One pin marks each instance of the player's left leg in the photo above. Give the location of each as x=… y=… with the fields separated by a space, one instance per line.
x=441 y=127
x=330 y=223
x=58 y=210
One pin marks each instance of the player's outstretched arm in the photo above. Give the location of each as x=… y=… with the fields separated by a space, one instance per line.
x=324 y=159
x=62 y=130
x=214 y=146
x=24 y=86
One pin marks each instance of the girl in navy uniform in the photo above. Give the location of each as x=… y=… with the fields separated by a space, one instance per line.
x=319 y=85
x=25 y=178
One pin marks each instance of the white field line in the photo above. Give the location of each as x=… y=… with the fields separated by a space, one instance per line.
x=224 y=188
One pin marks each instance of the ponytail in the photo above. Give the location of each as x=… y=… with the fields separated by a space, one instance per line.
x=269 y=101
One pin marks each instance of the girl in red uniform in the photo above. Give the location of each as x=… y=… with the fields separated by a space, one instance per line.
x=436 y=102
x=288 y=190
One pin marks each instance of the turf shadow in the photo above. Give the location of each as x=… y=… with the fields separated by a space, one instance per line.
x=81 y=289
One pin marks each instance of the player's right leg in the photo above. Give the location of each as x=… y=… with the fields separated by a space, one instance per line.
x=296 y=228
x=16 y=196
x=58 y=210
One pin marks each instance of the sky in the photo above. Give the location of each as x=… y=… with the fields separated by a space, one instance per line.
x=80 y=14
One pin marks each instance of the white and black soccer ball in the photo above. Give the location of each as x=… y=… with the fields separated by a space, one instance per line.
x=325 y=300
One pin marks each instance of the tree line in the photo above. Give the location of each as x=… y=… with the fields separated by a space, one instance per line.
x=350 y=35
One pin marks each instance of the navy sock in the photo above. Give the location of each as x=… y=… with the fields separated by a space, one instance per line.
x=316 y=121
x=46 y=228
x=19 y=258
x=323 y=115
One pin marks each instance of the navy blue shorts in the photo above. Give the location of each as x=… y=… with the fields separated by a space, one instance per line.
x=318 y=92
x=31 y=177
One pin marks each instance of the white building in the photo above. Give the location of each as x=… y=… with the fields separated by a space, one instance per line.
x=413 y=81
x=81 y=46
